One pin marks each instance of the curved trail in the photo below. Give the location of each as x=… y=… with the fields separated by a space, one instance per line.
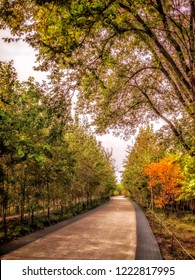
x=106 y=233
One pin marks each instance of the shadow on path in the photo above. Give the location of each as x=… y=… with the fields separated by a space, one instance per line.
x=22 y=241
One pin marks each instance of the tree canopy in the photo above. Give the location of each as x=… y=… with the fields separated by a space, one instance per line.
x=132 y=61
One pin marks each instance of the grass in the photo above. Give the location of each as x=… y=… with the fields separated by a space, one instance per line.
x=182 y=228
x=16 y=229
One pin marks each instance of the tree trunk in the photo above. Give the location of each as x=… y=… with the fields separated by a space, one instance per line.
x=4 y=220
x=23 y=197
x=48 y=198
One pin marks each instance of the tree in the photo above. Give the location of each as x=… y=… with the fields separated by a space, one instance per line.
x=132 y=61
x=145 y=150
x=119 y=190
x=8 y=134
x=165 y=180
x=94 y=172
x=187 y=193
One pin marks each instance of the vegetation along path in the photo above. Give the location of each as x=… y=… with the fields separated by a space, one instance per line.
x=108 y=232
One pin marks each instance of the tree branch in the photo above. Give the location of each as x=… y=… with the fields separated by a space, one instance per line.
x=172 y=127
x=192 y=41
x=160 y=47
x=171 y=38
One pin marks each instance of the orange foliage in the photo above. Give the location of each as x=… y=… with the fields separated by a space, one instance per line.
x=165 y=181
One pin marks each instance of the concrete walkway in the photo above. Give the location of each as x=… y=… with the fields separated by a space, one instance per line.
x=107 y=232
x=147 y=246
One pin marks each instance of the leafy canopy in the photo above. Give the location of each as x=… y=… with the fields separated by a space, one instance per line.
x=132 y=61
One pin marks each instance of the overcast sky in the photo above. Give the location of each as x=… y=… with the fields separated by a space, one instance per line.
x=24 y=59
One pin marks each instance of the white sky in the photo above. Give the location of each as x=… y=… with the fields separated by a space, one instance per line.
x=24 y=59
x=23 y=56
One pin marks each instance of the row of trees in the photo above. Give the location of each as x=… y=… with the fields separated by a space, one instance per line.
x=157 y=177
x=131 y=61
x=48 y=160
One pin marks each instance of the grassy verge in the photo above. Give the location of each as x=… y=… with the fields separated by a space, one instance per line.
x=16 y=229
x=182 y=228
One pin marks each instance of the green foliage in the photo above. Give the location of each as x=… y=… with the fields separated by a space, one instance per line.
x=47 y=162
x=93 y=167
x=119 y=190
x=145 y=150
x=127 y=70
x=188 y=188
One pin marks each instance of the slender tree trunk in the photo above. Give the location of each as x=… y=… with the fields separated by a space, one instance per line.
x=4 y=220
x=152 y=200
x=48 y=198
x=32 y=216
x=23 y=197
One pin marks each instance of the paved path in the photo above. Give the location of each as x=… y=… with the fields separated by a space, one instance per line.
x=147 y=246
x=108 y=232
x=116 y=230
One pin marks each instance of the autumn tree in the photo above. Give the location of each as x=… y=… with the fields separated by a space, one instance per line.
x=165 y=180
x=132 y=61
x=145 y=150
